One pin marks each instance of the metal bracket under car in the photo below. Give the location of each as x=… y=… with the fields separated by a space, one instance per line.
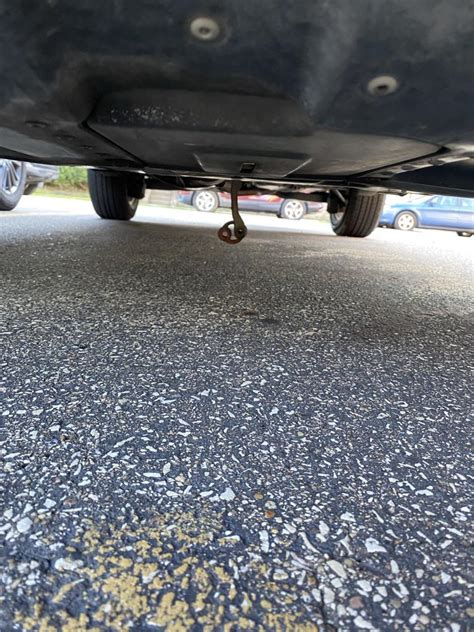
x=239 y=227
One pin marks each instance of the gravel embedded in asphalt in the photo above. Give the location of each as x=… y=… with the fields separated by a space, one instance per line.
x=272 y=436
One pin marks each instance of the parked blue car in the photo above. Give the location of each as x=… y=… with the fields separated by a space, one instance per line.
x=439 y=211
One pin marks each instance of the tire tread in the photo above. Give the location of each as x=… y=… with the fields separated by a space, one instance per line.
x=109 y=196
x=361 y=214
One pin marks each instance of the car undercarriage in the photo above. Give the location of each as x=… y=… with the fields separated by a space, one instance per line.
x=336 y=101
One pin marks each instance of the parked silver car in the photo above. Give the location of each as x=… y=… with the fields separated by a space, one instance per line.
x=22 y=178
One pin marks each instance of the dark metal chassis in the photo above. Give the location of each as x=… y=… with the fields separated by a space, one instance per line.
x=281 y=97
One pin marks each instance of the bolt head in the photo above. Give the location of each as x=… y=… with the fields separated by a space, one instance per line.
x=205 y=29
x=382 y=85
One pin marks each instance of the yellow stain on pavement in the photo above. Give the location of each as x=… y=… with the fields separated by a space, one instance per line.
x=163 y=575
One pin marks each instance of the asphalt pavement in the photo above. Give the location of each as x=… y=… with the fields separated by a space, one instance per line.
x=197 y=436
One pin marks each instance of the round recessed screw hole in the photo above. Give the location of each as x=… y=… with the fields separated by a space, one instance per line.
x=36 y=124
x=205 y=29
x=382 y=85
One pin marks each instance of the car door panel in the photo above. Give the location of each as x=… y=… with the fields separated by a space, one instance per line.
x=438 y=212
x=465 y=214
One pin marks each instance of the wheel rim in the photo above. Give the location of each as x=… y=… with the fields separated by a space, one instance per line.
x=294 y=209
x=10 y=175
x=336 y=218
x=205 y=201
x=406 y=222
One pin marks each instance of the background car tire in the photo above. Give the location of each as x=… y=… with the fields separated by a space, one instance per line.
x=110 y=197
x=359 y=216
x=206 y=201
x=463 y=233
x=293 y=209
x=406 y=220
x=12 y=183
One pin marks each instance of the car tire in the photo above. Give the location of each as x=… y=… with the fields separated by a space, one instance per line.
x=359 y=216
x=205 y=201
x=12 y=183
x=109 y=195
x=292 y=209
x=406 y=220
x=463 y=233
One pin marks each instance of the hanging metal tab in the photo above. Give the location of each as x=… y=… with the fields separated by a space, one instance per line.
x=239 y=228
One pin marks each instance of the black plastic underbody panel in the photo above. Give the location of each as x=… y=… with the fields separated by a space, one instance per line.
x=282 y=91
x=192 y=129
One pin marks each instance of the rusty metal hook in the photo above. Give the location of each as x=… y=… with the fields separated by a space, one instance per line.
x=231 y=237
x=234 y=231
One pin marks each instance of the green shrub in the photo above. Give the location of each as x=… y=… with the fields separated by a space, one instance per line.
x=71 y=178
